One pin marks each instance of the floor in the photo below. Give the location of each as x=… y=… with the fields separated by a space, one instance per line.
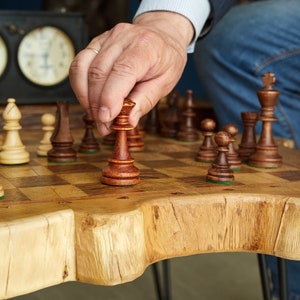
x=228 y=276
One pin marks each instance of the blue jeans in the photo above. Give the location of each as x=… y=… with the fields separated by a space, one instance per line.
x=253 y=39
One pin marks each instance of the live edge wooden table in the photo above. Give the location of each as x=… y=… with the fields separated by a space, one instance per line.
x=58 y=223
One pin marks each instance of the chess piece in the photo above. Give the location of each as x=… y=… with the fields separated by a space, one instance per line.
x=48 y=121
x=1 y=140
x=170 y=118
x=109 y=139
x=266 y=152
x=141 y=130
x=220 y=171
x=62 y=141
x=232 y=155
x=187 y=131
x=89 y=143
x=207 y=151
x=134 y=140
x=152 y=124
x=248 y=139
x=1 y=191
x=13 y=152
x=120 y=169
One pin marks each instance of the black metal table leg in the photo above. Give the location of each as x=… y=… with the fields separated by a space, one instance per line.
x=162 y=282
x=283 y=279
x=157 y=281
x=265 y=282
x=166 y=279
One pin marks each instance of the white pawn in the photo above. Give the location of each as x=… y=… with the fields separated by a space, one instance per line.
x=13 y=151
x=45 y=145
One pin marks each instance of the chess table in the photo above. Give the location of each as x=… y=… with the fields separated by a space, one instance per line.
x=58 y=223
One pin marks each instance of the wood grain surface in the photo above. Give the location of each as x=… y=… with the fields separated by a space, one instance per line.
x=58 y=223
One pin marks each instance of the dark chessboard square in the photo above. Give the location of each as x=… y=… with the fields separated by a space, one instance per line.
x=92 y=158
x=14 y=195
x=72 y=168
x=152 y=174
x=167 y=163
x=290 y=175
x=33 y=181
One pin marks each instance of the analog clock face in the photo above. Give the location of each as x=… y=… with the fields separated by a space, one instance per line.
x=3 y=56
x=45 y=55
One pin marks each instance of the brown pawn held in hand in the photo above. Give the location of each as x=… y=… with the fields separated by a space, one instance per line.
x=266 y=152
x=220 y=171
x=120 y=169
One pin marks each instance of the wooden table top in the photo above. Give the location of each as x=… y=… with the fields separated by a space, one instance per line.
x=58 y=223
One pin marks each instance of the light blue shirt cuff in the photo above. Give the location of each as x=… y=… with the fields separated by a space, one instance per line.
x=197 y=11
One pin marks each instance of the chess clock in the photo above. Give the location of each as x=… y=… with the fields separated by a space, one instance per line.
x=3 y=55
x=36 y=49
x=44 y=55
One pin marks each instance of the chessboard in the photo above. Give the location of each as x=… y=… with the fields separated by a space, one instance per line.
x=59 y=223
x=166 y=165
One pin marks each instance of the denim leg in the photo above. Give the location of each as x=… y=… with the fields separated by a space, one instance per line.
x=252 y=39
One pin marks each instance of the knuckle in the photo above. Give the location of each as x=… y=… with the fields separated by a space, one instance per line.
x=119 y=28
x=75 y=66
x=96 y=73
x=124 y=68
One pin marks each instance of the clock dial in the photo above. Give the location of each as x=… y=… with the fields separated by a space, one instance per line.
x=3 y=56
x=45 y=55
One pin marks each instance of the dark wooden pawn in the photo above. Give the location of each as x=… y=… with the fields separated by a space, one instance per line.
x=134 y=140
x=207 y=151
x=220 y=171
x=187 y=130
x=248 y=139
x=152 y=122
x=232 y=155
x=109 y=139
x=62 y=141
x=120 y=169
x=89 y=143
x=170 y=116
x=266 y=151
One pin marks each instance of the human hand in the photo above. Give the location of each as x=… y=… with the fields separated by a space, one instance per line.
x=141 y=61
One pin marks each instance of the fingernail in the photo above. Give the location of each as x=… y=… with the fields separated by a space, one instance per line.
x=103 y=129
x=104 y=114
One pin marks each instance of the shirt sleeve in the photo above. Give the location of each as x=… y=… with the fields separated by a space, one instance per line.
x=197 y=11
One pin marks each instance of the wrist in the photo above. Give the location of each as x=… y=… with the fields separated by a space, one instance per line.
x=175 y=25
